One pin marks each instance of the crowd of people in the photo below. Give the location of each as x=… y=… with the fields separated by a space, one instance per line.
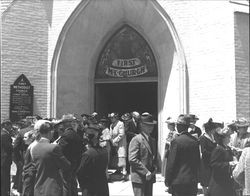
x=54 y=156
x=218 y=159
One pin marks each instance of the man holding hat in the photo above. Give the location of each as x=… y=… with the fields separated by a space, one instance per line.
x=142 y=157
x=183 y=161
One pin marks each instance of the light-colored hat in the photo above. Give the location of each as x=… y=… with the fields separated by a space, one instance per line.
x=147 y=118
x=170 y=120
x=135 y=114
x=241 y=122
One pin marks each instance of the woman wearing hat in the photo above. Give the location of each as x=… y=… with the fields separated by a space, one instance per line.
x=92 y=170
x=222 y=163
x=241 y=138
x=207 y=144
x=170 y=136
x=118 y=140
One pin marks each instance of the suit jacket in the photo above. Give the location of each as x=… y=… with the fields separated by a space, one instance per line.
x=48 y=160
x=6 y=148
x=118 y=138
x=131 y=130
x=92 y=172
x=142 y=158
x=183 y=161
x=72 y=147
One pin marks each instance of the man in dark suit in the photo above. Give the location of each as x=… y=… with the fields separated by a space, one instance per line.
x=183 y=162
x=92 y=170
x=142 y=158
x=72 y=147
x=49 y=161
x=6 y=156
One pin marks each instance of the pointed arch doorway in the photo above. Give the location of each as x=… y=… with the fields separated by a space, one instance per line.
x=126 y=75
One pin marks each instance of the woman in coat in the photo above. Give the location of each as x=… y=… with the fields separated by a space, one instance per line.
x=207 y=144
x=222 y=163
x=92 y=170
x=119 y=142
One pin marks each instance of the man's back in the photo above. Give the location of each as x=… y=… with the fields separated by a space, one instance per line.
x=183 y=161
x=48 y=160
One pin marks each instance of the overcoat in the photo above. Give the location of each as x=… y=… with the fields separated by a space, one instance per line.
x=49 y=160
x=207 y=146
x=221 y=182
x=142 y=158
x=118 y=138
x=183 y=161
x=92 y=172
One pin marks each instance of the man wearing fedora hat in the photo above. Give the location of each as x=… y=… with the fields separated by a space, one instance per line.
x=193 y=129
x=142 y=157
x=183 y=161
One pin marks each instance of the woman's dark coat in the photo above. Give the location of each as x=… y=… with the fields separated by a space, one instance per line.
x=92 y=172
x=207 y=147
x=221 y=182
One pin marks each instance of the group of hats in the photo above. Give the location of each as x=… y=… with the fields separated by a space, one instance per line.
x=184 y=119
x=145 y=117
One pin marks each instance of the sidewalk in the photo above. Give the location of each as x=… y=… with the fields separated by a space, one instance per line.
x=124 y=188
x=120 y=188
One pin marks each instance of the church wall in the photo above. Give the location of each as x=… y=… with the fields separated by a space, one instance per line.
x=206 y=32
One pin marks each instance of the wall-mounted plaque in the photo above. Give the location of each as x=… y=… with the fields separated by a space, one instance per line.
x=126 y=55
x=21 y=99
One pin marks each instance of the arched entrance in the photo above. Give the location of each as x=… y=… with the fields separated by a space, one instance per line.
x=126 y=75
x=76 y=86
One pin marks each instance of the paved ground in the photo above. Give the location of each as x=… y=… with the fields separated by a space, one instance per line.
x=124 y=188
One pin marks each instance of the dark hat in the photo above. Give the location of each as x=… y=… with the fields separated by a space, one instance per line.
x=126 y=117
x=113 y=115
x=147 y=118
x=94 y=126
x=183 y=119
x=86 y=115
x=241 y=122
x=92 y=120
x=193 y=117
x=104 y=119
x=210 y=125
x=6 y=122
